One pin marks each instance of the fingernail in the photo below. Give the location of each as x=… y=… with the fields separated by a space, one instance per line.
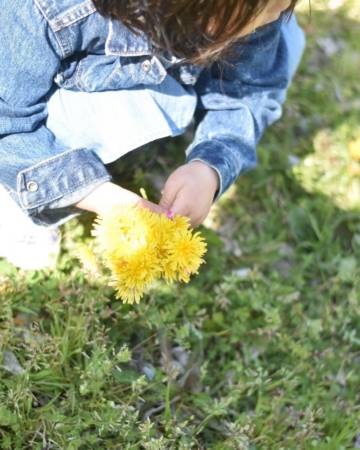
x=169 y=214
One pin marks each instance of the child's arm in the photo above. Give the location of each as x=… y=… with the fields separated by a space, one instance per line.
x=38 y=170
x=238 y=103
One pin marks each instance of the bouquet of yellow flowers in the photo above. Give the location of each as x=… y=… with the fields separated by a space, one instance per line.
x=140 y=246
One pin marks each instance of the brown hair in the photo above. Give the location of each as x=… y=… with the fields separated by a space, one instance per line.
x=181 y=27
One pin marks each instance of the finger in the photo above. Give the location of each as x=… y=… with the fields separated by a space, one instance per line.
x=169 y=193
x=184 y=209
x=152 y=206
x=181 y=206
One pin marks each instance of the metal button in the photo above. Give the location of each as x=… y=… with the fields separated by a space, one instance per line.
x=146 y=66
x=32 y=186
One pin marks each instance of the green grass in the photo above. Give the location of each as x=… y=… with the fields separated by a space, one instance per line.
x=261 y=350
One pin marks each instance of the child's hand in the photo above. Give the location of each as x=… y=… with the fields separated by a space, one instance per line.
x=190 y=191
x=108 y=195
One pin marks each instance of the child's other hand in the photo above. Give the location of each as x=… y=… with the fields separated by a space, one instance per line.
x=109 y=195
x=190 y=191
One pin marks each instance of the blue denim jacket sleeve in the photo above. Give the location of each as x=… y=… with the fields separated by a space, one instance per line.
x=240 y=99
x=40 y=173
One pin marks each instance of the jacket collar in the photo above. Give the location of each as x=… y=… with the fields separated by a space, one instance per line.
x=122 y=41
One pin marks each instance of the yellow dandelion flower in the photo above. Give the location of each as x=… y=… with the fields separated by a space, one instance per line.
x=169 y=234
x=185 y=253
x=139 y=247
x=125 y=239
x=169 y=270
x=161 y=233
x=131 y=277
x=123 y=231
x=180 y=223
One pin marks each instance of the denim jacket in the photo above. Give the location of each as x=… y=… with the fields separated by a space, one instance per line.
x=51 y=44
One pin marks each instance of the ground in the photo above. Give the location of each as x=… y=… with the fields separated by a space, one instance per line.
x=262 y=349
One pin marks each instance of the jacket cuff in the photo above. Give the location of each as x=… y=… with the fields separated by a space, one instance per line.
x=225 y=157
x=60 y=180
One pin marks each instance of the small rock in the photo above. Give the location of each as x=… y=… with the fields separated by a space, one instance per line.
x=283 y=268
x=149 y=371
x=357 y=441
x=242 y=273
x=181 y=355
x=11 y=364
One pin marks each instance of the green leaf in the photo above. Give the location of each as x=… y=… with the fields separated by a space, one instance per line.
x=125 y=376
x=347 y=269
x=7 y=418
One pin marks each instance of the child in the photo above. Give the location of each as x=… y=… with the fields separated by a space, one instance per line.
x=83 y=82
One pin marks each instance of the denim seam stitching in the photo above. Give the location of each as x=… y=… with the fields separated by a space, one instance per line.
x=84 y=10
x=60 y=195
x=77 y=76
x=56 y=36
x=53 y=158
